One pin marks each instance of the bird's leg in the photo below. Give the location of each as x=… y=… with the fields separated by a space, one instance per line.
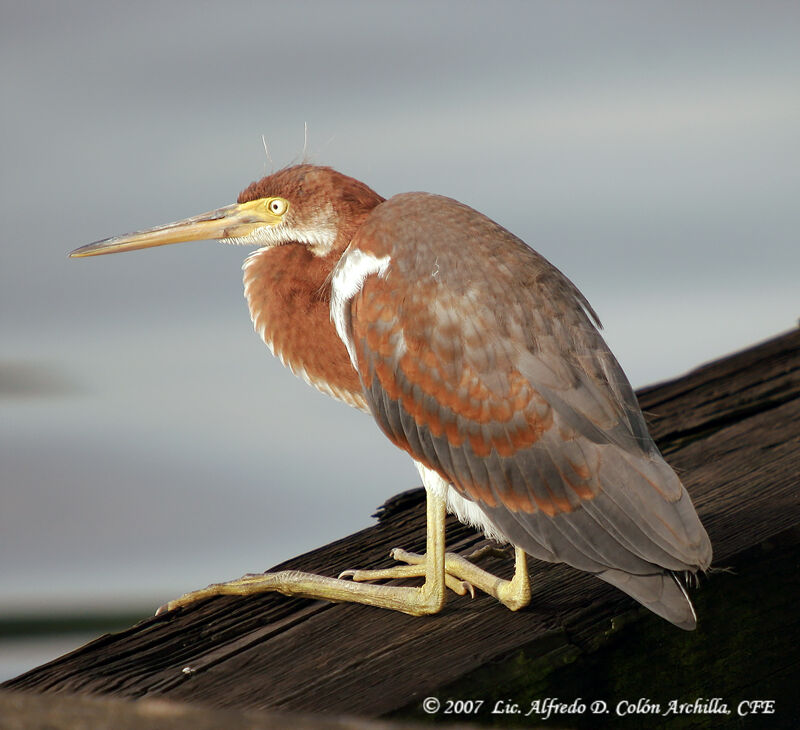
x=514 y=593
x=417 y=601
x=458 y=571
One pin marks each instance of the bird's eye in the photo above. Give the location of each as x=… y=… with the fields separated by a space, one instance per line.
x=277 y=206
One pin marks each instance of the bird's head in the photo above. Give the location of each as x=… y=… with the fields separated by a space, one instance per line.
x=306 y=204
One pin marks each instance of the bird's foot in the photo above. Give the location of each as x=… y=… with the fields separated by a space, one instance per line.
x=417 y=601
x=415 y=568
x=490 y=551
x=460 y=576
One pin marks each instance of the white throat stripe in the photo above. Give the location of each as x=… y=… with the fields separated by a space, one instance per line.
x=348 y=278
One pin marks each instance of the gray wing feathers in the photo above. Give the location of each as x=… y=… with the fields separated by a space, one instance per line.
x=630 y=523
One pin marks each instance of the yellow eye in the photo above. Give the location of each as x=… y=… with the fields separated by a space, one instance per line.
x=278 y=206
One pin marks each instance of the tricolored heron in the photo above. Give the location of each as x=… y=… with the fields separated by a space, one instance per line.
x=480 y=359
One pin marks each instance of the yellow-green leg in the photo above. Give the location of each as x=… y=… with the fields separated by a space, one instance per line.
x=417 y=601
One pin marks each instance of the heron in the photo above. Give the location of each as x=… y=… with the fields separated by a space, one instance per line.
x=481 y=360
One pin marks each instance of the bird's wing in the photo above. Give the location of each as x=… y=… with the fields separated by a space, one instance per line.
x=479 y=359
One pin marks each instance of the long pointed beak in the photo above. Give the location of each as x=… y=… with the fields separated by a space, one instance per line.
x=232 y=221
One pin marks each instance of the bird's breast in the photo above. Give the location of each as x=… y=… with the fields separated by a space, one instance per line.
x=288 y=292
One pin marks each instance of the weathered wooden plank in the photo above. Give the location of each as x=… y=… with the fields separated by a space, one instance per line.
x=732 y=430
x=723 y=391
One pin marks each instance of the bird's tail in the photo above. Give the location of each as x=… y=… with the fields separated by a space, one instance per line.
x=663 y=593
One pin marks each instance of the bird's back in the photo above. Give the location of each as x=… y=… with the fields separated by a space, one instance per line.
x=482 y=360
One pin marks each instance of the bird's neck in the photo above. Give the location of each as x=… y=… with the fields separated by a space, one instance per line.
x=288 y=291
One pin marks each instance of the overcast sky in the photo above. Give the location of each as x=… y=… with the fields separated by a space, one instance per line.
x=149 y=444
